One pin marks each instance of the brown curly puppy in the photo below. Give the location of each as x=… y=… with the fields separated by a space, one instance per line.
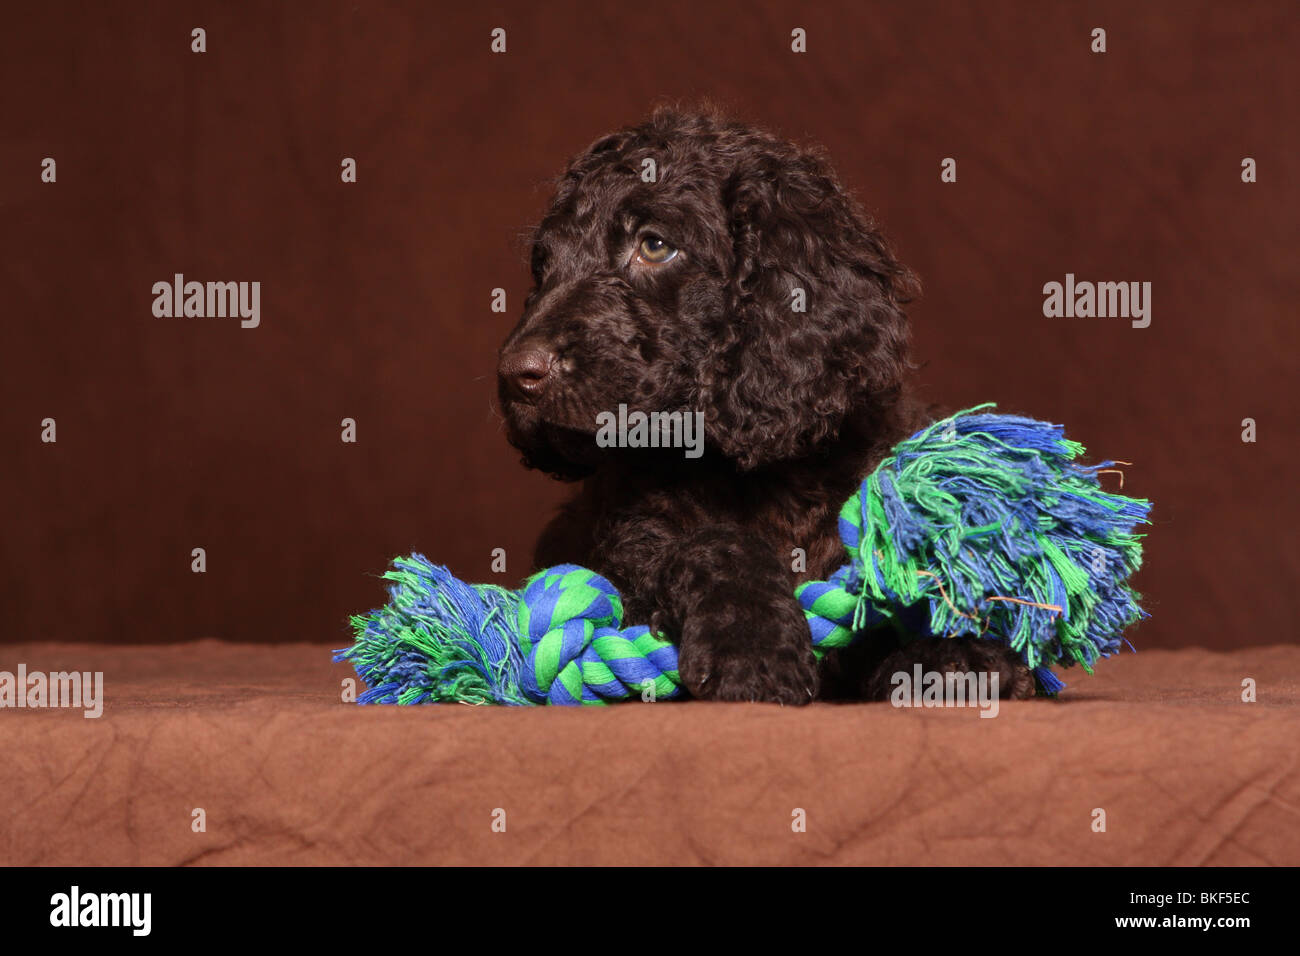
x=668 y=277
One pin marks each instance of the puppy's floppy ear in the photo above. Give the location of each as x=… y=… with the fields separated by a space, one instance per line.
x=609 y=143
x=782 y=379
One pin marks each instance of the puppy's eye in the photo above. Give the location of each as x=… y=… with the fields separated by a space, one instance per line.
x=654 y=251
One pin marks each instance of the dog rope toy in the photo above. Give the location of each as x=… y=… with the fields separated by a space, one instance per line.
x=980 y=525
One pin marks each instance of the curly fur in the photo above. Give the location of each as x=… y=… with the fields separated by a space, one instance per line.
x=797 y=406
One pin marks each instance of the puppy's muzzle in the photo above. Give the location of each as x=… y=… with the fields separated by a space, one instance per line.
x=525 y=372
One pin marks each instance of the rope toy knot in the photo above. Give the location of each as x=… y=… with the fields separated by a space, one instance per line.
x=575 y=649
x=981 y=525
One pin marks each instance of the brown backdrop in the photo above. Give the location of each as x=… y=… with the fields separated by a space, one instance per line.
x=183 y=433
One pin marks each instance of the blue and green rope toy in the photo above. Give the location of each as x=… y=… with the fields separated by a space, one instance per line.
x=980 y=525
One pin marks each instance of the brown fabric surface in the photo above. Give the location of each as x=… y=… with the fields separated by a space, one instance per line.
x=183 y=433
x=287 y=774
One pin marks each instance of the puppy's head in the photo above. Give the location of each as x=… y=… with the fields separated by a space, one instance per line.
x=697 y=264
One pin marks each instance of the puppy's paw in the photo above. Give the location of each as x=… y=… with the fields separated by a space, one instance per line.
x=959 y=655
x=737 y=648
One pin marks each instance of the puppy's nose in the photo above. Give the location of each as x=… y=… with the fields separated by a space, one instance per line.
x=525 y=372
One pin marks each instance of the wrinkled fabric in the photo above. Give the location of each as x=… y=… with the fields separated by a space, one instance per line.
x=286 y=773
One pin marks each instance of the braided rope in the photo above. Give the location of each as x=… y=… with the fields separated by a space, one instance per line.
x=574 y=650
x=993 y=505
x=836 y=612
